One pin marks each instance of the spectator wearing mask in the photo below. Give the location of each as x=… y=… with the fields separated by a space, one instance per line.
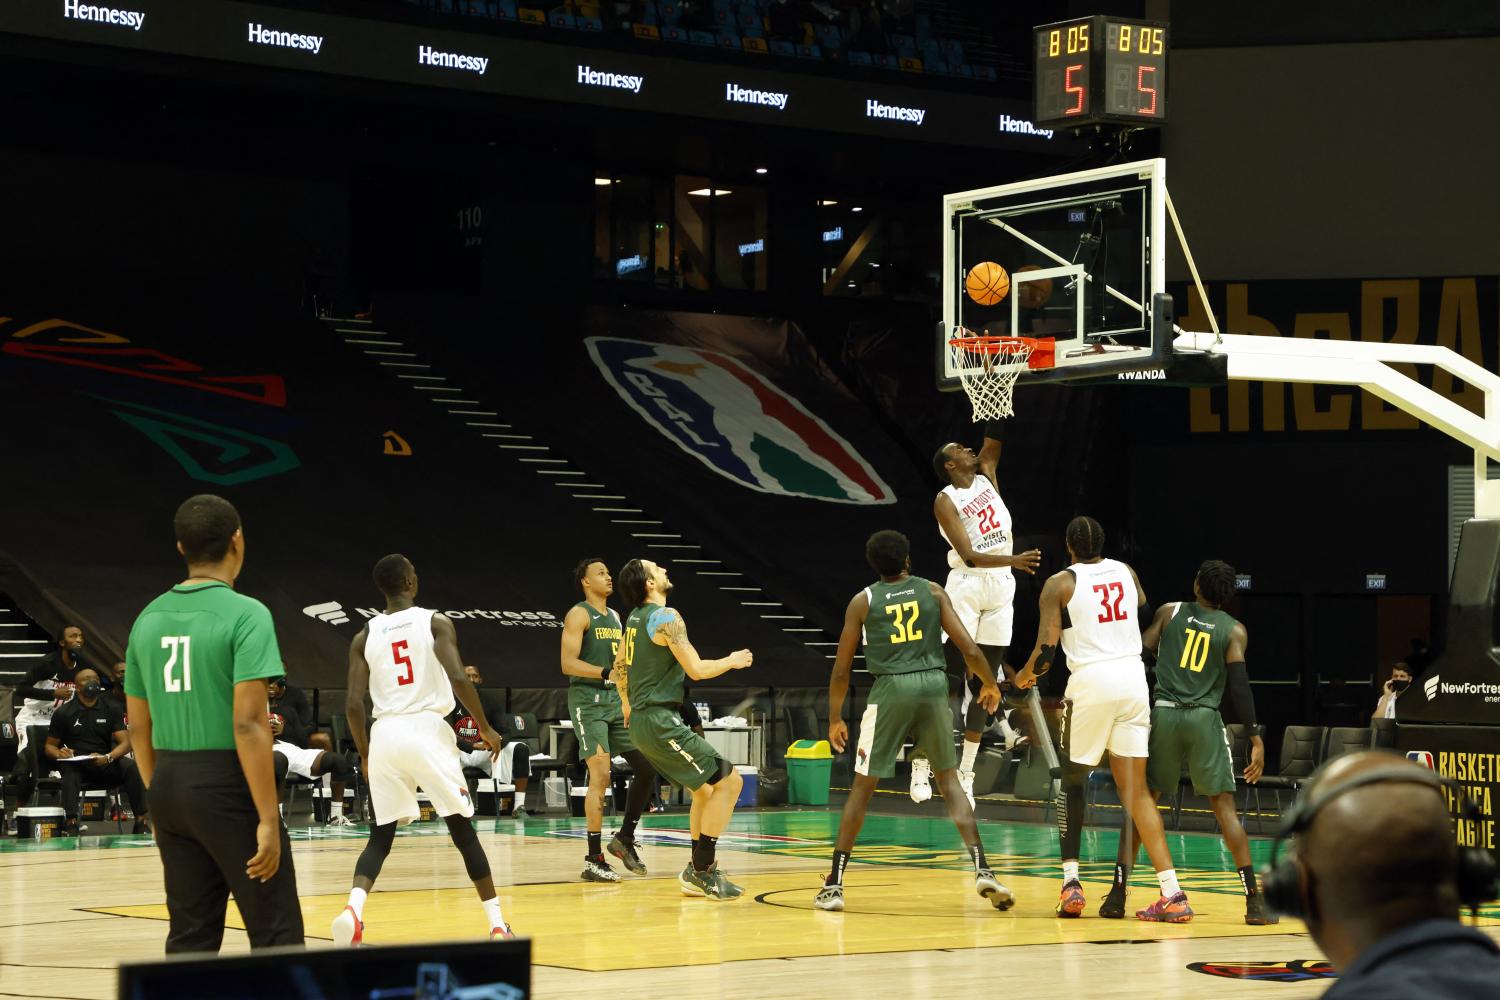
x=1375 y=871
x=513 y=766
x=89 y=731
x=1399 y=681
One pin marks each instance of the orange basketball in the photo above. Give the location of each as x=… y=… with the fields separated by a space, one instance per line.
x=987 y=283
x=1033 y=294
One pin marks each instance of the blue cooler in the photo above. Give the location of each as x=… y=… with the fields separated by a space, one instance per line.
x=751 y=787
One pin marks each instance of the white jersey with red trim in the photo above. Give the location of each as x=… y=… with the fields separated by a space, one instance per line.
x=986 y=521
x=405 y=675
x=1104 y=615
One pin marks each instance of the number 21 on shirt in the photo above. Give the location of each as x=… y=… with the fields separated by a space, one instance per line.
x=181 y=647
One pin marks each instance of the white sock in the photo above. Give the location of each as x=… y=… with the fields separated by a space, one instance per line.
x=492 y=910
x=357 y=899
x=335 y=808
x=1006 y=732
x=971 y=750
x=1168 y=880
x=520 y=799
x=1070 y=871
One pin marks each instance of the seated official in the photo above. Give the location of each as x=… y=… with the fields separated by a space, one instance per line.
x=90 y=731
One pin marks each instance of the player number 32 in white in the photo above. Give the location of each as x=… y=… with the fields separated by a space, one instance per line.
x=181 y=648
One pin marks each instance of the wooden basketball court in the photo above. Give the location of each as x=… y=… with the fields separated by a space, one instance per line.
x=914 y=927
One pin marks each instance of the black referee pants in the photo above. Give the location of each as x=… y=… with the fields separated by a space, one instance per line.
x=205 y=824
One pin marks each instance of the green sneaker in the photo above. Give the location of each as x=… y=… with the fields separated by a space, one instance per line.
x=715 y=885
x=688 y=881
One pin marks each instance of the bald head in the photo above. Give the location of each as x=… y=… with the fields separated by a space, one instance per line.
x=1382 y=854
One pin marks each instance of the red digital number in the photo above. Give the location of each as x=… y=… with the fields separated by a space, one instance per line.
x=398 y=650
x=1074 y=89
x=1110 y=596
x=1140 y=85
x=987 y=521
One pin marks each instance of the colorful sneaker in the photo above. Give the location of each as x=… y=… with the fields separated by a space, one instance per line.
x=1072 y=902
x=830 y=897
x=1113 y=907
x=501 y=933
x=1167 y=911
x=988 y=886
x=688 y=885
x=339 y=820
x=1257 y=914
x=625 y=850
x=598 y=870
x=966 y=782
x=921 y=779
x=348 y=929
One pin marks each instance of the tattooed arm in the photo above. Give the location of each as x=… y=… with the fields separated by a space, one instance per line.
x=670 y=630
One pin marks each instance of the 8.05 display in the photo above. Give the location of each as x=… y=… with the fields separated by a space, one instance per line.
x=1101 y=69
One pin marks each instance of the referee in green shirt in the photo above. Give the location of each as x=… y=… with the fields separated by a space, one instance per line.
x=197 y=666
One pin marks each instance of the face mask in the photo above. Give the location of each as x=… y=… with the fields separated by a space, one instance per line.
x=92 y=689
x=1400 y=685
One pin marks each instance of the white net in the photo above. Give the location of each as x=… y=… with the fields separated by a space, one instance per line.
x=988 y=369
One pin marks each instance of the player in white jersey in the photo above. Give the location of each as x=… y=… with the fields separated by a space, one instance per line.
x=981 y=583
x=1098 y=608
x=408 y=658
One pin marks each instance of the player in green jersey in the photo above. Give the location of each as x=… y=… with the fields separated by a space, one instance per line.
x=655 y=658
x=1200 y=655
x=590 y=642
x=902 y=619
x=199 y=658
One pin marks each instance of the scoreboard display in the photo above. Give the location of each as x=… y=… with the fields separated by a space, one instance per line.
x=1097 y=70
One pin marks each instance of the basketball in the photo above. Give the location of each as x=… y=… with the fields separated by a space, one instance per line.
x=1033 y=294
x=987 y=283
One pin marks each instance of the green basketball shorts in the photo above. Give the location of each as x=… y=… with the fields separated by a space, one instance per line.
x=598 y=722
x=678 y=754
x=1194 y=736
x=915 y=703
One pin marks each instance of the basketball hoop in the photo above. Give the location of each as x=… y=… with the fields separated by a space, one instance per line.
x=989 y=366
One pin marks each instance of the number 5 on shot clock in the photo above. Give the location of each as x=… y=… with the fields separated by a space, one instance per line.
x=1098 y=70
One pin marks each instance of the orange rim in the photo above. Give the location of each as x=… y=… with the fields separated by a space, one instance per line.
x=995 y=345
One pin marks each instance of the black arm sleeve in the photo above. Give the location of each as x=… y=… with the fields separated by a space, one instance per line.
x=1241 y=702
x=994 y=429
x=689 y=713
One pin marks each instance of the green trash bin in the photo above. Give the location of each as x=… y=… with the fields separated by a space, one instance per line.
x=809 y=764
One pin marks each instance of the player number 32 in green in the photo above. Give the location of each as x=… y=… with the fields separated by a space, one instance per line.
x=180 y=656
x=1195 y=650
x=906 y=627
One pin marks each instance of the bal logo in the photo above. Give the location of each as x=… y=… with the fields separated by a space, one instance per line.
x=1295 y=971
x=1423 y=757
x=736 y=422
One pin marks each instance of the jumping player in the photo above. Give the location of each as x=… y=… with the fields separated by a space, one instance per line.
x=1200 y=654
x=977 y=525
x=1096 y=606
x=590 y=642
x=653 y=661
x=401 y=656
x=899 y=617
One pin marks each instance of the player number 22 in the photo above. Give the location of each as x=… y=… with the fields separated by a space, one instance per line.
x=1110 y=597
x=398 y=653
x=1195 y=650
x=179 y=645
x=906 y=628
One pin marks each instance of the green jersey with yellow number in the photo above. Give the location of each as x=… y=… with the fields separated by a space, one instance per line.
x=601 y=641
x=1190 y=667
x=903 y=628
x=187 y=651
x=654 y=676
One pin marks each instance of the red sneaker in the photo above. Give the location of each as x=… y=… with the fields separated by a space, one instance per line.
x=501 y=933
x=348 y=929
x=1168 y=911
x=1072 y=902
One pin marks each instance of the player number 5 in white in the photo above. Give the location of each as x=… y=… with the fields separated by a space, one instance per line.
x=179 y=645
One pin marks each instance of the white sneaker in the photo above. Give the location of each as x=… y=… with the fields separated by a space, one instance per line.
x=348 y=930
x=921 y=779
x=966 y=782
x=1013 y=737
x=339 y=820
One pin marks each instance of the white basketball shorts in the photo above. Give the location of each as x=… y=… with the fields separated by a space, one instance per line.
x=414 y=751
x=984 y=600
x=500 y=769
x=1107 y=706
x=298 y=761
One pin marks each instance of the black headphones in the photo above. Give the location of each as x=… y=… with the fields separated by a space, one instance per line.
x=1282 y=882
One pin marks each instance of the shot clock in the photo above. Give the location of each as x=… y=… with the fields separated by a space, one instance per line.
x=1101 y=69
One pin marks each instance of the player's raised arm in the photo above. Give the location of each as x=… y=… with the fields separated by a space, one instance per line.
x=843 y=663
x=1056 y=593
x=668 y=628
x=358 y=684
x=989 y=452
x=1151 y=638
x=574 y=624
x=445 y=647
x=989 y=690
x=958 y=537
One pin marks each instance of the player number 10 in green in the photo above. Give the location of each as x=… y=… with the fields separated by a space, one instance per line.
x=1195 y=650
